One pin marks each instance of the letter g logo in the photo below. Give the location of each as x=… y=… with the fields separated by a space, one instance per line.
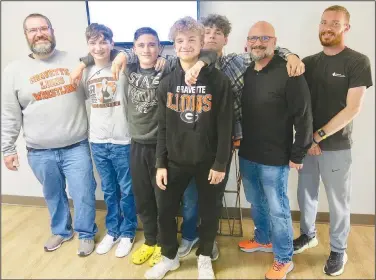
x=189 y=117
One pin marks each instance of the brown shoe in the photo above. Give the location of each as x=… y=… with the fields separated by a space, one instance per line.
x=85 y=247
x=55 y=241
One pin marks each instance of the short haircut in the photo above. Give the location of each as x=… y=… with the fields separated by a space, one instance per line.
x=186 y=24
x=337 y=8
x=95 y=30
x=221 y=22
x=145 y=30
x=34 y=16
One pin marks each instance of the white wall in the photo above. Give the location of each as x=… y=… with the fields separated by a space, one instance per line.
x=296 y=25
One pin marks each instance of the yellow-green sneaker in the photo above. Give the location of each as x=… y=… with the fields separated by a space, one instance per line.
x=156 y=257
x=143 y=253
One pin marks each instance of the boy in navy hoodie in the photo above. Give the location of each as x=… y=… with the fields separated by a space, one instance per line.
x=194 y=139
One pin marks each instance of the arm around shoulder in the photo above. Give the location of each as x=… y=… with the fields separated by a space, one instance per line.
x=224 y=122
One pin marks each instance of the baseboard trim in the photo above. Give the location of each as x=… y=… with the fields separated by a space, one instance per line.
x=232 y=212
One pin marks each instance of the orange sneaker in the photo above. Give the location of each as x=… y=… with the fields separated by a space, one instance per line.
x=279 y=270
x=251 y=246
x=236 y=144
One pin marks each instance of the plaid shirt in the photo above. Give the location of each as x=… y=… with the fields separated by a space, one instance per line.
x=234 y=66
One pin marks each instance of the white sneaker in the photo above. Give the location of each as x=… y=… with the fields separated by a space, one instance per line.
x=106 y=244
x=215 y=252
x=205 y=269
x=124 y=247
x=159 y=270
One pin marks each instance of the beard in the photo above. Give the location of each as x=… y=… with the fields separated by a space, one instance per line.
x=334 y=41
x=267 y=52
x=44 y=48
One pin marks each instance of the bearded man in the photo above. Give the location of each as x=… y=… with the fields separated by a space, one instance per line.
x=38 y=96
x=273 y=105
x=338 y=78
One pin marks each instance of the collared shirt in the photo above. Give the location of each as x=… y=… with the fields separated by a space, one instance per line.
x=234 y=66
x=273 y=104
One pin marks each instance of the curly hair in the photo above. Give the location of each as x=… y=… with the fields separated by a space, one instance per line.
x=221 y=22
x=186 y=24
x=95 y=30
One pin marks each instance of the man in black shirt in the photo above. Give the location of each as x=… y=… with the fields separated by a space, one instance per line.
x=272 y=104
x=338 y=78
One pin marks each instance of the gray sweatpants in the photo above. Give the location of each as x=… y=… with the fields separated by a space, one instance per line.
x=335 y=170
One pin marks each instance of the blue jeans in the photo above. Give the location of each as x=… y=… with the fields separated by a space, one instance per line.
x=72 y=164
x=265 y=187
x=112 y=162
x=190 y=212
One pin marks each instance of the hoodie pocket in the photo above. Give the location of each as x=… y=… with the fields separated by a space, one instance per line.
x=189 y=147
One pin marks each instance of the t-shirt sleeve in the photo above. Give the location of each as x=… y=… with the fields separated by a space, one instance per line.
x=307 y=64
x=306 y=60
x=360 y=73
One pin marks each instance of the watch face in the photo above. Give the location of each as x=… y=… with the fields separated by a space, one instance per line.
x=321 y=133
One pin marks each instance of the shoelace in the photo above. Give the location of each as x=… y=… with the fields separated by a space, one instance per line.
x=333 y=258
x=302 y=240
x=254 y=241
x=278 y=266
x=206 y=264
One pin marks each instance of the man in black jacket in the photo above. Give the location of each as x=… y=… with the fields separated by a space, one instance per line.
x=273 y=104
x=194 y=139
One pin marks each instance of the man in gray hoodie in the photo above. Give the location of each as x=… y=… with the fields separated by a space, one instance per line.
x=38 y=97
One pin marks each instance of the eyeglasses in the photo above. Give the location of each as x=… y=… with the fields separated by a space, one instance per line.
x=42 y=29
x=263 y=39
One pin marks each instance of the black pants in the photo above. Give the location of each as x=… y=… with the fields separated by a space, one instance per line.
x=144 y=188
x=220 y=192
x=223 y=184
x=178 y=178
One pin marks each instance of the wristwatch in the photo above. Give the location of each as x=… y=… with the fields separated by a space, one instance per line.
x=322 y=133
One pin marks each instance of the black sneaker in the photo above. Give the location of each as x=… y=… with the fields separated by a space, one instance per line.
x=335 y=265
x=303 y=243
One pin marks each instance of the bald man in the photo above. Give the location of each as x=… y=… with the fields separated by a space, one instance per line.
x=273 y=104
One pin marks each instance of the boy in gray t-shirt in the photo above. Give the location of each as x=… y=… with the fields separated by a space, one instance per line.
x=110 y=141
